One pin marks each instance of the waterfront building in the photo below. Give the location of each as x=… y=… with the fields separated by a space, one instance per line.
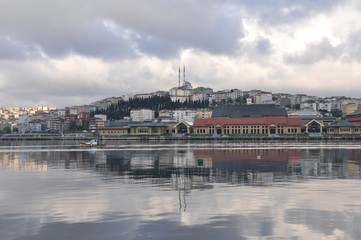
x=117 y=129
x=97 y=121
x=56 y=124
x=260 y=119
x=343 y=127
x=114 y=129
x=150 y=128
x=354 y=117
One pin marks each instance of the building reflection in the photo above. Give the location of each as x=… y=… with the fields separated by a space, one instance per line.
x=186 y=168
x=42 y=161
x=191 y=169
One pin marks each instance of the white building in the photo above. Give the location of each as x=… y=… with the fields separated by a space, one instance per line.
x=142 y=115
x=103 y=117
x=308 y=105
x=184 y=115
x=182 y=93
x=227 y=94
x=326 y=106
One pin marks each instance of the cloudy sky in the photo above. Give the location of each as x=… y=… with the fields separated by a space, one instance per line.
x=63 y=52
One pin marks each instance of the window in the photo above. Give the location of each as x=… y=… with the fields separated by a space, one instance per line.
x=142 y=130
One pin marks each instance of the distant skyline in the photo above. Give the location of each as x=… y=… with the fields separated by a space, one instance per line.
x=62 y=53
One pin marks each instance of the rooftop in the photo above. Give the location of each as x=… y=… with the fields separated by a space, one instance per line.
x=244 y=111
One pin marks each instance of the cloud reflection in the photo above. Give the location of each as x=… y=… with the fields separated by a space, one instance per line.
x=171 y=194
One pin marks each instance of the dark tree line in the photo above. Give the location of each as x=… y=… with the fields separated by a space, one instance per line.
x=122 y=108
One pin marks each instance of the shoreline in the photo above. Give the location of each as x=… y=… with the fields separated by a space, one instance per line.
x=82 y=137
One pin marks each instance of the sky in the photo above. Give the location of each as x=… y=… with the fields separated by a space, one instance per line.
x=63 y=53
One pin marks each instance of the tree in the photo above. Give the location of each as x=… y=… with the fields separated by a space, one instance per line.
x=6 y=130
x=156 y=103
x=336 y=113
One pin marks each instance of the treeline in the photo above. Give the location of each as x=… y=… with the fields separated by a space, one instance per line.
x=122 y=108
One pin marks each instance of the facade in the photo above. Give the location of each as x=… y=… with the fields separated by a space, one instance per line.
x=151 y=128
x=114 y=129
x=354 y=117
x=182 y=93
x=308 y=105
x=142 y=115
x=143 y=95
x=262 y=119
x=184 y=115
x=232 y=94
x=203 y=114
x=349 y=108
x=248 y=126
x=96 y=122
x=122 y=128
x=58 y=125
x=183 y=127
x=262 y=98
x=325 y=106
x=344 y=127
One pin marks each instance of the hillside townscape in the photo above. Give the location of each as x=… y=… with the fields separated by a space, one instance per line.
x=184 y=109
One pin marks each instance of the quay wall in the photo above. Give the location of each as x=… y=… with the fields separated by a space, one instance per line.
x=300 y=137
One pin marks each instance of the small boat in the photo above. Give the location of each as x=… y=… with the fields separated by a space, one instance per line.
x=91 y=143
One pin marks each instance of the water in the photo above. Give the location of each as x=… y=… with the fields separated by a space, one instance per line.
x=197 y=190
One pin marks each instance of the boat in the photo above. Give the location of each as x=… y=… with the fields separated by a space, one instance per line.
x=91 y=143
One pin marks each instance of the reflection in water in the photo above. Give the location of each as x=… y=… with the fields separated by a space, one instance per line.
x=235 y=166
x=180 y=193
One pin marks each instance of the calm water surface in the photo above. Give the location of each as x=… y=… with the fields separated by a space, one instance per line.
x=197 y=190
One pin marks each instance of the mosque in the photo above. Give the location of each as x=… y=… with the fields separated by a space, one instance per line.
x=184 y=90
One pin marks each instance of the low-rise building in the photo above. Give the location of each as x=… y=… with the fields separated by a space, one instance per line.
x=262 y=119
x=354 y=117
x=114 y=129
x=344 y=127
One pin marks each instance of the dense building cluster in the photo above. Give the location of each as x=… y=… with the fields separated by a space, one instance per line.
x=201 y=111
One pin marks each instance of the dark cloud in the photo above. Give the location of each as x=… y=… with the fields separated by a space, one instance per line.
x=65 y=27
x=61 y=28
x=257 y=51
x=15 y=50
x=164 y=29
x=353 y=46
x=10 y=49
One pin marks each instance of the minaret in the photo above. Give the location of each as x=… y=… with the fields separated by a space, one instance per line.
x=184 y=75
x=179 y=78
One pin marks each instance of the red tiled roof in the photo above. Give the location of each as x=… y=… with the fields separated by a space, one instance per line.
x=277 y=120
